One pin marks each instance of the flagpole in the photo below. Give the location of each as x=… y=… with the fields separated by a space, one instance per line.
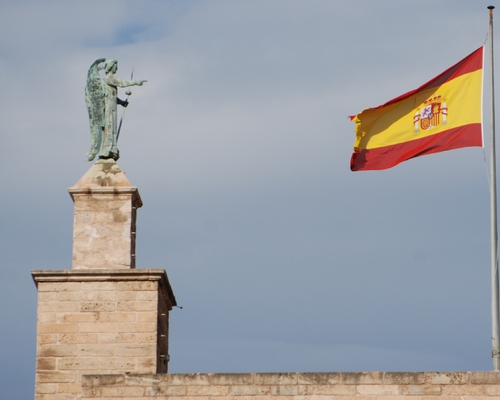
x=495 y=352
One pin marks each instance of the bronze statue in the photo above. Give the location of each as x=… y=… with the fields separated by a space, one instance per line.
x=102 y=100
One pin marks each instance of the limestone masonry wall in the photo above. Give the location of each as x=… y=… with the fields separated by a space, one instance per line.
x=98 y=322
x=295 y=386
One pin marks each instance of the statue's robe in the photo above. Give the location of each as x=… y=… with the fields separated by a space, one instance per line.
x=109 y=147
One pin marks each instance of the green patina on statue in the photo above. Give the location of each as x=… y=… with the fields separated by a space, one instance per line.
x=102 y=99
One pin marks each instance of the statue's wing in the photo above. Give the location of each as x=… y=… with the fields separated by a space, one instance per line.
x=94 y=97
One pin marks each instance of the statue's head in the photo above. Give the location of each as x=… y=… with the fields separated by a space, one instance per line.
x=111 y=65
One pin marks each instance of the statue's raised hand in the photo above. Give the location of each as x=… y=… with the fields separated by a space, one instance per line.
x=139 y=83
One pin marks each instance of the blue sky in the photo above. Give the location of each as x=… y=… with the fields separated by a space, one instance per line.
x=239 y=143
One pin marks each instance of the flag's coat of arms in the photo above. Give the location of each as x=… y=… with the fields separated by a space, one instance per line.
x=433 y=113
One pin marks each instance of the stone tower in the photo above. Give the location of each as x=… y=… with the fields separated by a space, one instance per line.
x=103 y=316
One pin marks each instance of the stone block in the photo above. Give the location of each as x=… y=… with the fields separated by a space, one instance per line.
x=99 y=286
x=304 y=390
x=146 y=365
x=485 y=377
x=362 y=378
x=77 y=317
x=136 y=328
x=275 y=378
x=103 y=218
x=378 y=390
x=165 y=390
x=404 y=378
x=83 y=218
x=448 y=378
x=47 y=296
x=102 y=380
x=128 y=338
x=150 y=295
x=78 y=364
x=401 y=397
x=90 y=205
x=56 y=377
x=199 y=398
x=116 y=295
x=136 y=306
x=265 y=397
x=58 y=306
x=55 y=397
x=231 y=379
x=76 y=296
x=122 y=391
x=136 y=350
x=421 y=390
x=47 y=317
x=138 y=285
x=212 y=390
x=288 y=390
x=74 y=388
x=147 y=380
x=249 y=390
x=78 y=338
x=147 y=316
x=317 y=378
x=447 y=398
x=190 y=379
x=91 y=393
x=94 y=306
x=57 y=328
x=114 y=364
x=118 y=317
x=467 y=390
x=334 y=390
x=46 y=388
x=47 y=339
x=57 y=350
x=300 y=397
x=48 y=364
x=490 y=390
x=58 y=286
x=95 y=350
x=101 y=327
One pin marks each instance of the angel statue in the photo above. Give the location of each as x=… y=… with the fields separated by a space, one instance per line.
x=102 y=99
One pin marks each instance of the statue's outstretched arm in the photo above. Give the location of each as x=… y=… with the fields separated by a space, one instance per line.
x=118 y=82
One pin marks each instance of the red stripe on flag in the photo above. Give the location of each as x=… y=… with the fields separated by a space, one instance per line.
x=390 y=156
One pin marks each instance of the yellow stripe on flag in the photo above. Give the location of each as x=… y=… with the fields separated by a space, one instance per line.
x=395 y=123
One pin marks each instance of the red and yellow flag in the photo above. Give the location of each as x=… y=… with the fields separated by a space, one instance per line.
x=443 y=114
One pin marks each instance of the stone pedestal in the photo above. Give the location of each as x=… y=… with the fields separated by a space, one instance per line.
x=103 y=316
x=105 y=218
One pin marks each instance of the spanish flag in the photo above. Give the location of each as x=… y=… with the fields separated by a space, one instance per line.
x=443 y=114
